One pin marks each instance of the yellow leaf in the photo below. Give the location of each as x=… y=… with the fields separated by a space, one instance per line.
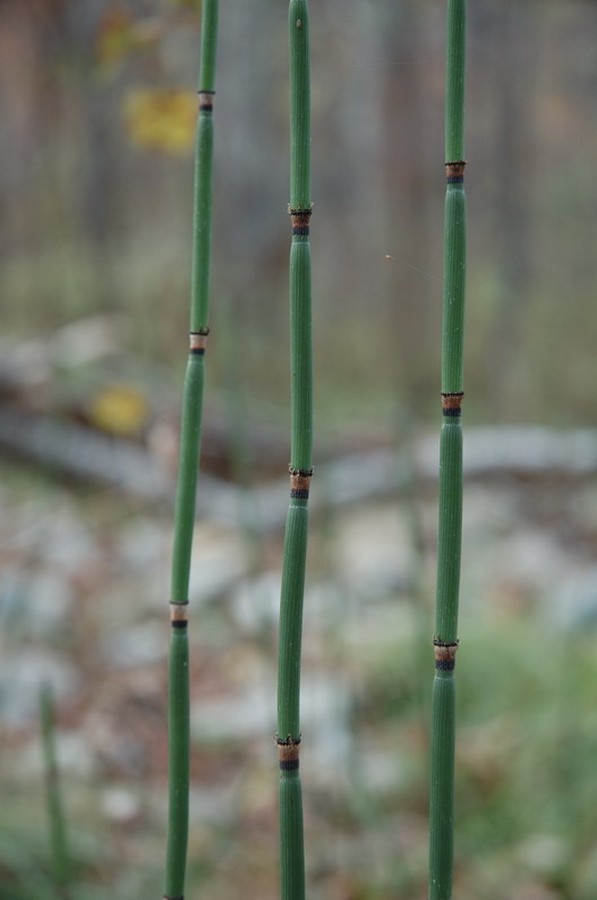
x=119 y=409
x=161 y=119
x=115 y=36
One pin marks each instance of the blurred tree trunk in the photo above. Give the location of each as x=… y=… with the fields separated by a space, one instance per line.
x=412 y=158
x=511 y=27
x=29 y=104
x=60 y=163
x=97 y=166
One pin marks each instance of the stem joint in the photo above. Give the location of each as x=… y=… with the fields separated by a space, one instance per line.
x=452 y=403
x=206 y=100
x=445 y=654
x=198 y=341
x=288 y=753
x=455 y=171
x=300 y=219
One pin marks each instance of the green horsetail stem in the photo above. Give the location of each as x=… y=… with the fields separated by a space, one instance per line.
x=292 y=856
x=441 y=811
x=61 y=865
x=190 y=441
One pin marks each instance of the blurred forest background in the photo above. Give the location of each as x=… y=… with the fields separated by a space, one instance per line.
x=97 y=117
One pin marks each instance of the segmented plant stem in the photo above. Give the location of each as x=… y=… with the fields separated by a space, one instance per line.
x=190 y=440
x=450 y=493
x=292 y=863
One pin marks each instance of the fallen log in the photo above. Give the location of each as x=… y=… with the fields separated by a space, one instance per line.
x=87 y=455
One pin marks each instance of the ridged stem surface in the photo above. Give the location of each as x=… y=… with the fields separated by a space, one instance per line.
x=455 y=72
x=441 y=811
x=190 y=443
x=292 y=862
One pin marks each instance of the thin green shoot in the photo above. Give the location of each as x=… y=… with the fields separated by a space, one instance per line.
x=190 y=443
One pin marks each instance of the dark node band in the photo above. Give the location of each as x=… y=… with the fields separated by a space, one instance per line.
x=300 y=482
x=206 y=100
x=179 y=614
x=300 y=220
x=288 y=753
x=452 y=403
x=455 y=171
x=198 y=342
x=445 y=655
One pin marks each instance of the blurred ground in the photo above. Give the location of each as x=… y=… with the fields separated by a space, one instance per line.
x=83 y=601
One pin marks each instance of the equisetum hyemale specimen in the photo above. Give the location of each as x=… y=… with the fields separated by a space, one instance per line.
x=190 y=438
x=450 y=491
x=292 y=864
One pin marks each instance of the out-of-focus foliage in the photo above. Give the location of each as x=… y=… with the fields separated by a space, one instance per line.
x=116 y=36
x=161 y=119
x=119 y=409
x=97 y=111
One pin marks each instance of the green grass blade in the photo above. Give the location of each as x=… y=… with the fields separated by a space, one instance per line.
x=61 y=863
